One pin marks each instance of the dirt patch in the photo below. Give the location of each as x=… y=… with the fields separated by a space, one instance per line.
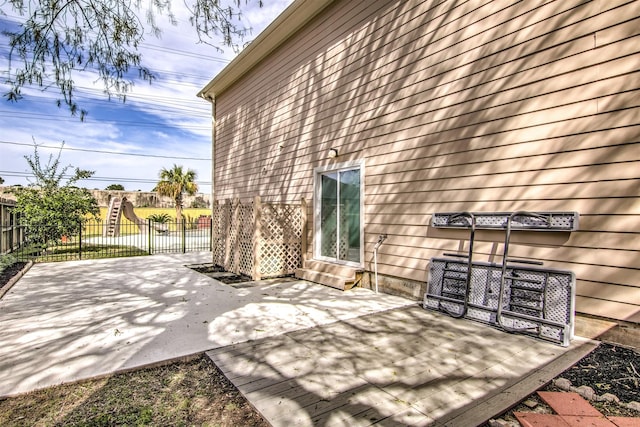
x=220 y=274
x=236 y=279
x=207 y=268
x=185 y=393
x=609 y=369
x=8 y=273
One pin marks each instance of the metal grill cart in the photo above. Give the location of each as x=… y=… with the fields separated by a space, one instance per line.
x=518 y=295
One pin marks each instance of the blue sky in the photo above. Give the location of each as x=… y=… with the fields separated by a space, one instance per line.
x=127 y=143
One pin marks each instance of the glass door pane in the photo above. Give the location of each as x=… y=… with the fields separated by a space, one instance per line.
x=349 y=215
x=329 y=215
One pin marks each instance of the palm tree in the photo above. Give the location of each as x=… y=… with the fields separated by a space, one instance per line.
x=174 y=183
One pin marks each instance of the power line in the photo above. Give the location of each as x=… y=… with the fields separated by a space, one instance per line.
x=190 y=100
x=185 y=53
x=144 y=106
x=173 y=52
x=162 y=78
x=166 y=76
x=51 y=117
x=107 y=152
x=193 y=122
x=95 y=178
x=149 y=104
x=205 y=77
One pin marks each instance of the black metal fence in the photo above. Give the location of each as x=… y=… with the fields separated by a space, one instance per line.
x=43 y=243
x=11 y=236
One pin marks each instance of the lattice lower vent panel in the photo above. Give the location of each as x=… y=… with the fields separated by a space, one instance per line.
x=221 y=222
x=536 y=300
x=257 y=239
x=281 y=243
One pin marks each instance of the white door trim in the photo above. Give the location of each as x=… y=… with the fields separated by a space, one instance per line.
x=317 y=188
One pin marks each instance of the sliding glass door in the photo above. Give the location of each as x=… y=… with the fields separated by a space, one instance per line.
x=338 y=219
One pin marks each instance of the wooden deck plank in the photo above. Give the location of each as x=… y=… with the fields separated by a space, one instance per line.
x=404 y=366
x=314 y=399
x=511 y=395
x=249 y=347
x=428 y=395
x=263 y=360
x=277 y=391
x=368 y=406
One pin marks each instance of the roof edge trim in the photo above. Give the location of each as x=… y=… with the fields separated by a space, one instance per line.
x=292 y=19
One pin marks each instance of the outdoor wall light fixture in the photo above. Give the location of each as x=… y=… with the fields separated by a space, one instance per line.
x=333 y=153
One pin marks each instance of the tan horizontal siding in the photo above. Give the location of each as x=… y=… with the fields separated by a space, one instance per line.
x=605 y=307
x=526 y=78
x=449 y=159
x=472 y=105
x=593 y=57
x=407 y=210
x=474 y=162
x=343 y=27
x=608 y=280
x=477 y=133
x=587 y=241
x=536 y=192
x=510 y=172
x=603 y=227
x=547 y=246
x=606 y=141
x=399 y=45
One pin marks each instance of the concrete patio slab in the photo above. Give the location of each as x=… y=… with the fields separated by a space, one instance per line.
x=68 y=321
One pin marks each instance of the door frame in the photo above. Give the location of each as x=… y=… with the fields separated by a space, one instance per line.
x=317 y=188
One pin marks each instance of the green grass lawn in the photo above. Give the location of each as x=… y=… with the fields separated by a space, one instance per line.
x=71 y=251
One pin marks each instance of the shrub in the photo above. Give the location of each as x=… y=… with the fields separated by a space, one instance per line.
x=53 y=206
x=161 y=218
x=7 y=261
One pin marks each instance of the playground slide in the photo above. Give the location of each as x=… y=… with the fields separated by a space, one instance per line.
x=127 y=211
x=119 y=207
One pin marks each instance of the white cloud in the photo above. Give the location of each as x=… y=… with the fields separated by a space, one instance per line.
x=164 y=118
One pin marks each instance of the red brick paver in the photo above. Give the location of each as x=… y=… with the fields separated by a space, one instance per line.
x=625 y=421
x=532 y=419
x=569 y=404
x=586 y=421
x=572 y=411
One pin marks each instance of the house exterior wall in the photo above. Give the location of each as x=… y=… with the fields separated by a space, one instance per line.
x=470 y=105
